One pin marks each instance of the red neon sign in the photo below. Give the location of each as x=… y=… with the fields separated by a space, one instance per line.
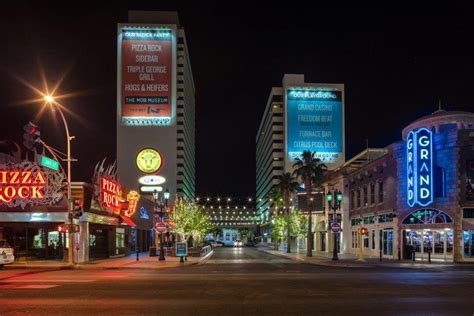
x=25 y=185
x=111 y=195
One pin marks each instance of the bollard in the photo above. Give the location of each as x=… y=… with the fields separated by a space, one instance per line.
x=380 y=259
x=413 y=254
x=181 y=259
x=429 y=256
x=138 y=256
x=399 y=254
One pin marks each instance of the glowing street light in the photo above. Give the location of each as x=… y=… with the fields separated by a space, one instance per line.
x=50 y=100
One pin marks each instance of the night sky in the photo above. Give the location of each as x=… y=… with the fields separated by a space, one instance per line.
x=396 y=63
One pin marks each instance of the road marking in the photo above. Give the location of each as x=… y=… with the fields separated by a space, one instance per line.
x=28 y=286
x=50 y=280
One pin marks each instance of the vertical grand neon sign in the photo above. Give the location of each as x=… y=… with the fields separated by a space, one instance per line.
x=420 y=167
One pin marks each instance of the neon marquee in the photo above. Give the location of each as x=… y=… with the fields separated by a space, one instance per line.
x=420 y=167
x=17 y=184
x=111 y=195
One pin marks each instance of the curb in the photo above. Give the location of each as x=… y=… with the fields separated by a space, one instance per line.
x=320 y=262
x=204 y=259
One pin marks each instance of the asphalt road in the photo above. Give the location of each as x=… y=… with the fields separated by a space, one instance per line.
x=239 y=282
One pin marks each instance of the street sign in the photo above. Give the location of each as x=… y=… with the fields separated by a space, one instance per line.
x=160 y=227
x=49 y=163
x=181 y=249
x=335 y=227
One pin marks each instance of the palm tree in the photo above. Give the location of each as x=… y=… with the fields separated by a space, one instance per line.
x=287 y=186
x=276 y=197
x=311 y=171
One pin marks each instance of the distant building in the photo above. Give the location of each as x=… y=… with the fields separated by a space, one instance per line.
x=298 y=116
x=155 y=103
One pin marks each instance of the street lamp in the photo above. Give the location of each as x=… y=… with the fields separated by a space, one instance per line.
x=155 y=214
x=335 y=207
x=50 y=100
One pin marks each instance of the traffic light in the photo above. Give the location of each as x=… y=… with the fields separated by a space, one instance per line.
x=77 y=208
x=339 y=196
x=329 y=197
x=31 y=136
x=364 y=231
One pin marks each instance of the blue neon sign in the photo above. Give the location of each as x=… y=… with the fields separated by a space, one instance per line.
x=315 y=123
x=420 y=167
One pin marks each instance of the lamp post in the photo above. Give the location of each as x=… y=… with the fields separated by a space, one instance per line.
x=50 y=100
x=334 y=207
x=167 y=196
x=155 y=214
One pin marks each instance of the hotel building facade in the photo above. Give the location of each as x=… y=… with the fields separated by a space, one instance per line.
x=155 y=103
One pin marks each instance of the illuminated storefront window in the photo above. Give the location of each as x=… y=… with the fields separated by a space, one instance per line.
x=468 y=237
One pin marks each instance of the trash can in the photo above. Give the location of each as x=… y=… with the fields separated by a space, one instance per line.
x=152 y=251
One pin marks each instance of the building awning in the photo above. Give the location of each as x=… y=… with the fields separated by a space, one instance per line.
x=128 y=220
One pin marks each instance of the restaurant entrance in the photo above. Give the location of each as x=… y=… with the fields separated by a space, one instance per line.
x=437 y=242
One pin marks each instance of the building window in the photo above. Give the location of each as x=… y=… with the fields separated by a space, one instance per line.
x=372 y=193
x=380 y=191
x=386 y=218
x=468 y=213
x=373 y=239
x=365 y=196
x=369 y=220
x=277 y=98
x=359 y=198
x=355 y=241
x=356 y=221
x=366 y=241
x=468 y=243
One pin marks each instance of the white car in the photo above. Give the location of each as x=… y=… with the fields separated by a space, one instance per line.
x=238 y=243
x=6 y=253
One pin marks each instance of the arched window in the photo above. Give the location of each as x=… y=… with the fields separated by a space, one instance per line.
x=427 y=216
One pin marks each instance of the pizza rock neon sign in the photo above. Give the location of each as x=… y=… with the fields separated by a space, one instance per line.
x=26 y=183
x=420 y=167
x=111 y=195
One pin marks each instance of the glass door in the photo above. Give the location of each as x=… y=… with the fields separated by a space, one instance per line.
x=387 y=242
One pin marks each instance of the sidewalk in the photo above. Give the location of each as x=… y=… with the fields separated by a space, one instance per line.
x=128 y=262
x=350 y=261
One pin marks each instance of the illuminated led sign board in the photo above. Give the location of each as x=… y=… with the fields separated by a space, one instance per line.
x=151 y=180
x=149 y=189
x=149 y=160
x=419 y=145
x=315 y=123
x=26 y=183
x=111 y=195
x=146 y=74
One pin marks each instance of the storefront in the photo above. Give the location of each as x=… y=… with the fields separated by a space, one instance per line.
x=32 y=209
x=434 y=168
x=428 y=234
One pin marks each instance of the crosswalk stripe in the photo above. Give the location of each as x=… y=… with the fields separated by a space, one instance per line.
x=48 y=281
x=27 y=286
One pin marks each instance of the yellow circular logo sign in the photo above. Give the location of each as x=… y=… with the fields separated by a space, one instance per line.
x=149 y=160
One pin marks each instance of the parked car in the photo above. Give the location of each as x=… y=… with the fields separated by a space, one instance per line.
x=238 y=243
x=218 y=244
x=6 y=253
